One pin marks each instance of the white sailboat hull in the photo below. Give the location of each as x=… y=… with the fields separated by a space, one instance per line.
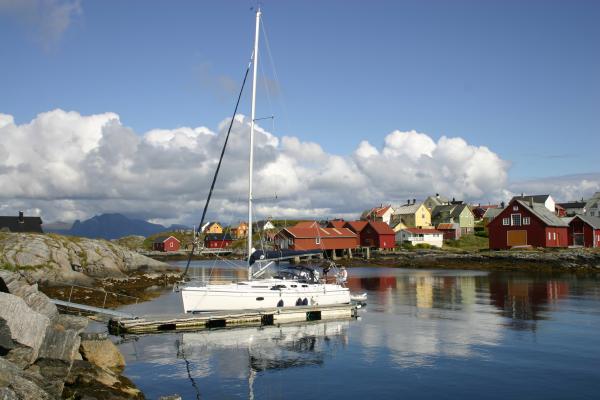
x=259 y=294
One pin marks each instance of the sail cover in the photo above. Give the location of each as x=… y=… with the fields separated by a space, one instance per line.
x=273 y=255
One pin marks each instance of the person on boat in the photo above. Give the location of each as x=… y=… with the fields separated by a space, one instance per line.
x=343 y=275
x=326 y=269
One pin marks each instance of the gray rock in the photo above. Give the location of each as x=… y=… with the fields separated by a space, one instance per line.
x=7 y=394
x=102 y=353
x=59 y=344
x=87 y=379
x=27 y=327
x=20 y=356
x=6 y=342
x=73 y=322
x=93 y=335
x=24 y=384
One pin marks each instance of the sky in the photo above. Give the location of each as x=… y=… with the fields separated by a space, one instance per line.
x=122 y=105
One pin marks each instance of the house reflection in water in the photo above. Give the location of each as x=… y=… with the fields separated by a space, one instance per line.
x=525 y=300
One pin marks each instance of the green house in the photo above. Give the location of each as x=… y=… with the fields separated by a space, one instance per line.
x=454 y=213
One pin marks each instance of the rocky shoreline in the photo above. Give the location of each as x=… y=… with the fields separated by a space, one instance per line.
x=573 y=260
x=47 y=355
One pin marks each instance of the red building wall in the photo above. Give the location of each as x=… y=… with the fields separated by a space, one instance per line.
x=171 y=244
x=590 y=236
x=537 y=231
x=370 y=238
x=217 y=244
x=325 y=243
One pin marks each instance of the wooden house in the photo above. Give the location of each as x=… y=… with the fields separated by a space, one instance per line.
x=21 y=224
x=437 y=200
x=584 y=231
x=356 y=226
x=592 y=206
x=412 y=215
x=378 y=235
x=336 y=223
x=417 y=236
x=524 y=223
x=489 y=215
x=382 y=213
x=545 y=199
x=166 y=244
x=454 y=213
x=479 y=210
x=314 y=237
x=240 y=231
x=573 y=208
x=262 y=226
x=212 y=227
x=217 y=240
x=450 y=231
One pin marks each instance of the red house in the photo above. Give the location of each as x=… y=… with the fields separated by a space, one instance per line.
x=217 y=240
x=374 y=234
x=166 y=243
x=525 y=223
x=451 y=231
x=312 y=237
x=584 y=231
x=336 y=223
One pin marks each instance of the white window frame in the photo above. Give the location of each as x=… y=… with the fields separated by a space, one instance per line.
x=512 y=220
x=526 y=220
x=505 y=221
x=515 y=208
x=318 y=240
x=549 y=236
x=554 y=234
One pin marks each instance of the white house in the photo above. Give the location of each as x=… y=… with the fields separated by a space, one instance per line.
x=416 y=236
x=544 y=199
x=592 y=206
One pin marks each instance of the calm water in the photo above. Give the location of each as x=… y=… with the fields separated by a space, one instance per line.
x=425 y=334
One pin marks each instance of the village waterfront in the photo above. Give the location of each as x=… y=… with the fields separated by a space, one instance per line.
x=425 y=333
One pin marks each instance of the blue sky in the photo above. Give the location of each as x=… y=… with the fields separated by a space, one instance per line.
x=522 y=78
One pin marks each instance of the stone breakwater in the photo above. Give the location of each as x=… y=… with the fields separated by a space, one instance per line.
x=557 y=260
x=47 y=355
x=53 y=258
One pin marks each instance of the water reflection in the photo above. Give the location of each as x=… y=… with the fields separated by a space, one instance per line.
x=419 y=328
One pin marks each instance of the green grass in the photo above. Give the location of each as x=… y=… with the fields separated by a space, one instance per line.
x=468 y=242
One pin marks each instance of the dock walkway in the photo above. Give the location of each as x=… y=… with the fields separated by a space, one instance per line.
x=92 y=309
x=222 y=319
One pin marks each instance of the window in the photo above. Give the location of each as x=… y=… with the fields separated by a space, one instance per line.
x=591 y=213
x=318 y=240
x=549 y=236
x=505 y=221
x=554 y=234
x=526 y=220
x=515 y=208
x=516 y=219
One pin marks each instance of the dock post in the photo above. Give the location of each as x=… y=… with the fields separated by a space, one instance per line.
x=349 y=253
x=367 y=253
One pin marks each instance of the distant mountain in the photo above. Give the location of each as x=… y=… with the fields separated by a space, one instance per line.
x=57 y=227
x=114 y=226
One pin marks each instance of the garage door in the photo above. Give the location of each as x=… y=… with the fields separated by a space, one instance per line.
x=516 y=238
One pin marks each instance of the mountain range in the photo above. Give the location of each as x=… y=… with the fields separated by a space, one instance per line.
x=110 y=226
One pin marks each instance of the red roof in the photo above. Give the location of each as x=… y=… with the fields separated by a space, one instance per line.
x=306 y=224
x=356 y=226
x=420 y=231
x=379 y=211
x=300 y=232
x=382 y=228
x=336 y=223
x=446 y=226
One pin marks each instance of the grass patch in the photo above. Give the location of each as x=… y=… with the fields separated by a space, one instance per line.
x=468 y=242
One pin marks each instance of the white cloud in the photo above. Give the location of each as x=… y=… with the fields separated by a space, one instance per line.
x=64 y=165
x=47 y=19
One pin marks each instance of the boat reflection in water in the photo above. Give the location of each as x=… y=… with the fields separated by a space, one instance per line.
x=243 y=353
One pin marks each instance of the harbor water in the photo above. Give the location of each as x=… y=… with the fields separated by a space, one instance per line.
x=444 y=334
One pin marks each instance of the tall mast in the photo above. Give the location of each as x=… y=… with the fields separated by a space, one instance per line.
x=253 y=116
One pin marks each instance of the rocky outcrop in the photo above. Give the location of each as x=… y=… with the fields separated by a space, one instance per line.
x=40 y=351
x=55 y=258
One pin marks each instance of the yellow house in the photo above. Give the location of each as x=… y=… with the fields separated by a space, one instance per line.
x=240 y=231
x=212 y=227
x=413 y=215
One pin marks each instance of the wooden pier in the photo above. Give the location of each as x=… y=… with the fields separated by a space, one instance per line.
x=222 y=319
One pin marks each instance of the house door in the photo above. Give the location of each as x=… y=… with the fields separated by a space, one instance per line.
x=578 y=239
x=516 y=238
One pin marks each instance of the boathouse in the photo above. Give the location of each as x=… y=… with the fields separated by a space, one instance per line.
x=166 y=243
x=217 y=240
x=21 y=224
x=527 y=223
x=584 y=231
x=377 y=234
x=314 y=237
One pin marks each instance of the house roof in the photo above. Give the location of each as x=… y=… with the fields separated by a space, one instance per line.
x=545 y=215
x=492 y=213
x=536 y=198
x=336 y=223
x=572 y=204
x=407 y=209
x=356 y=226
x=454 y=210
x=317 y=231
x=262 y=224
x=438 y=200
x=594 y=222
x=381 y=228
x=306 y=224
x=162 y=239
x=376 y=211
x=28 y=224
x=218 y=236
x=421 y=231
x=448 y=226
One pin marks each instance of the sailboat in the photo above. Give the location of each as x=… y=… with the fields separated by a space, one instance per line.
x=296 y=286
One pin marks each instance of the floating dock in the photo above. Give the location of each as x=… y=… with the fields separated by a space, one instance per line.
x=222 y=319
